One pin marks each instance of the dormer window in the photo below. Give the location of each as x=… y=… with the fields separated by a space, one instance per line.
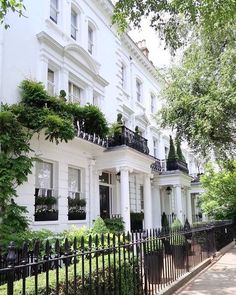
x=54 y=10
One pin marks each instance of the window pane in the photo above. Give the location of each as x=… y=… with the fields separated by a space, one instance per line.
x=44 y=173
x=90 y=40
x=54 y=10
x=74 y=180
x=74 y=92
x=73 y=24
x=51 y=82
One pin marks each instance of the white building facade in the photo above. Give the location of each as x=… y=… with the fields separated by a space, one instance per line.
x=70 y=45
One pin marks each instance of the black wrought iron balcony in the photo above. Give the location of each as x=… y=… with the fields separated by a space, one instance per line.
x=156 y=166
x=177 y=165
x=131 y=139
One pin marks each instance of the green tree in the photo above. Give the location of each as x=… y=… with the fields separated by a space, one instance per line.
x=219 y=198
x=179 y=152
x=200 y=100
x=10 y=5
x=177 y=20
x=172 y=154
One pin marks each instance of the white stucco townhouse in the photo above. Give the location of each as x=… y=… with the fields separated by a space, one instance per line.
x=71 y=45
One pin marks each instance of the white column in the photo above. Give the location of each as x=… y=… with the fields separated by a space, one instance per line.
x=63 y=82
x=124 y=196
x=95 y=199
x=156 y=208
x=189 y=206
x=178 y=201
x=147 y=202
x=91 y=195
x=63 y=194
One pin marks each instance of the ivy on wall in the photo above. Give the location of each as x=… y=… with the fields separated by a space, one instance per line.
x=36 y=112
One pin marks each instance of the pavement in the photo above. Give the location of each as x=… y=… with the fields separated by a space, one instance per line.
x=218 y=279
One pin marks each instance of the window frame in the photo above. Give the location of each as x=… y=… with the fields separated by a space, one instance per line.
x=55 y=9
x=139 y=90
x=155 y=147
x=123 y=75
x=153 y=103
x=71 y=96
x=90 y=40
x=72 y=193
x=51 y=84
x=74 y=26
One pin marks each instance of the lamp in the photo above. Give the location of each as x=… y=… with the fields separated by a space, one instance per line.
x=118 y=176
x=168 y=190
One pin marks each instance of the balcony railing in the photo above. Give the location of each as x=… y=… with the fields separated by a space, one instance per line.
x=129 y=138
x=165 y=165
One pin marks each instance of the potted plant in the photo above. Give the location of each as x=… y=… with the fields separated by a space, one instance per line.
x=165 y=229
x=153 y=260
x=178 y=244
x=136 y=219
x=45 y=214
x=82 y=203
x=76 y=214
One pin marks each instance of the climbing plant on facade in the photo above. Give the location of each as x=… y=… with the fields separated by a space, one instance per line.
x=37 y=112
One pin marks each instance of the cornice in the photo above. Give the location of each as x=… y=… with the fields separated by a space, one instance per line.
x=128 y=41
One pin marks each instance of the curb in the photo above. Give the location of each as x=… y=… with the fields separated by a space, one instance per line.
x=181 y=283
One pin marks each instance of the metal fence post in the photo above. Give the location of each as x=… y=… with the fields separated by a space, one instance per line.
x=11 y=256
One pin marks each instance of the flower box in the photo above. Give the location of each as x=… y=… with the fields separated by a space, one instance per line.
x=77 y=215
x=46 y=215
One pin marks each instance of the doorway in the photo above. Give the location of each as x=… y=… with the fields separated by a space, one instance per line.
x=104 y=201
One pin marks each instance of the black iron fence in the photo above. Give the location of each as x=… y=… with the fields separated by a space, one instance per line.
x=137 y=263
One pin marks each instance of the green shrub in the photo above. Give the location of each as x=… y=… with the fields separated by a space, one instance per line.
x=115 y=225
x=172 y=154
x=99 y=227
x=177 y=238
x=96 y=282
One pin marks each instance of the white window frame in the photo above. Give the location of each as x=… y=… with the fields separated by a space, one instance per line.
x=45 y=190
x=51 y=84
x=90 y=40
x=73 y=193
x=123 y=75
x=55 y=10
x=74 y=27
x=155 y=147
x=139 y=90
x=72 y=96
x=153 y=103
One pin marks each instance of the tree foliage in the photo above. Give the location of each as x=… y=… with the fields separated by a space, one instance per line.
x=200 y=100
x=10 y=5
x=176 y=20
x=36 y=112
x=219 y=198
x=172 y=153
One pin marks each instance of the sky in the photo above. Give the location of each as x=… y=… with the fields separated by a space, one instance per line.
x=157 y=54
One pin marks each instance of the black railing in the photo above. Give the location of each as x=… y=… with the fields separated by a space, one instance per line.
x=177 y=165
x=137 y=263
x=131 y=139
x=156 y=166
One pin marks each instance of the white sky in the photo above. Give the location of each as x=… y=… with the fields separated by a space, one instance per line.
x=157 y=54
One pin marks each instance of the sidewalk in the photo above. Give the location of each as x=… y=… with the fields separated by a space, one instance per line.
x=218 y=279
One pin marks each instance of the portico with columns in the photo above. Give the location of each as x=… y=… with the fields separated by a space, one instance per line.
x=131 y=184
x=173 y=197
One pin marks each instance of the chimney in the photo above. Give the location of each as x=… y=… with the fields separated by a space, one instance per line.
x=142 y=46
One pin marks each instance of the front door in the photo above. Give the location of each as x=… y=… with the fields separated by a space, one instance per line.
x=104 y=201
